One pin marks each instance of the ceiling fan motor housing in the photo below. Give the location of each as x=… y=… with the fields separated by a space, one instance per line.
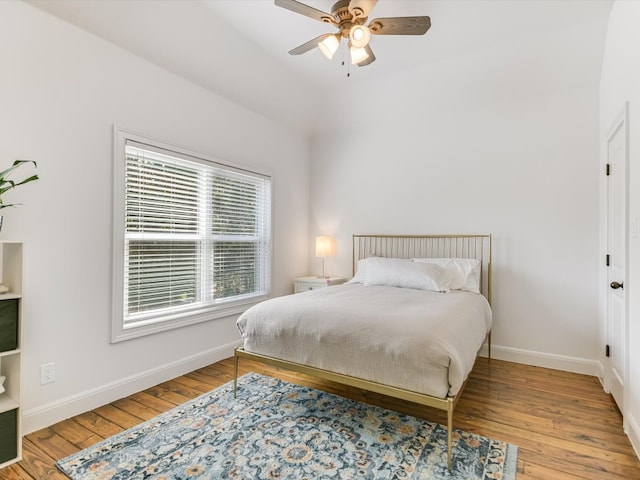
x=343 y=18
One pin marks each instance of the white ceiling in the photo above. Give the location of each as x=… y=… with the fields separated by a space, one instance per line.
x=238 y=48
x=457 y=27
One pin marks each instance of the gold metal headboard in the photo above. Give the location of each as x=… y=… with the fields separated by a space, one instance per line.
x=428 y=246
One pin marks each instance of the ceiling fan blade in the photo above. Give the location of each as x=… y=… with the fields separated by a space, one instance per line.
x=400 y=26
x=306 y=10
x=370 y=59
x=310 y=45
x=361 y=8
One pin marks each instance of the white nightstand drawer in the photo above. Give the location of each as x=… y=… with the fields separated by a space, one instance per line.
x=304 y=284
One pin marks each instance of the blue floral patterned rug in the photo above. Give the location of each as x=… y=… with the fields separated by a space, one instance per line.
x=277 y=430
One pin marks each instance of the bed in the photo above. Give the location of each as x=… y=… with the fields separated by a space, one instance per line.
x=409 y=324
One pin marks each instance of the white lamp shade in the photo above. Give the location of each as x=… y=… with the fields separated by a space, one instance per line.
x=359 y=36
x=358 y=55
x=324 y=247
x=329 y=45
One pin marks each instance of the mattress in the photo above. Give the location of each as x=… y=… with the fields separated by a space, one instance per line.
x=417 y=340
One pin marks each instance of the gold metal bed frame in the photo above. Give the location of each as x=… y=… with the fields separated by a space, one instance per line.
x=399 y=246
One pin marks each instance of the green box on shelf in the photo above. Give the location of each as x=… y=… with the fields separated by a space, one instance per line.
x=8 y=434
x=8 y=324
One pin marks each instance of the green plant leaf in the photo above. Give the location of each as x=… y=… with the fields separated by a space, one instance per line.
x=7 y=184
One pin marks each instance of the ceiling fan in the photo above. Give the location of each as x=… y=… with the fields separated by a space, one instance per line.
x=350 y=17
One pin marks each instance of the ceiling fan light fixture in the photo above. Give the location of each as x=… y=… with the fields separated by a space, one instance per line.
x=359 y=36
x=350 y=17
x=329 y=46
x=358 y=54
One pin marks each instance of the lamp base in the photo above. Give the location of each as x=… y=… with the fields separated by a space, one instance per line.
x=323 y=275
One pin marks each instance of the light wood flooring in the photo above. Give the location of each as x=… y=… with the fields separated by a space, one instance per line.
x=565 y=425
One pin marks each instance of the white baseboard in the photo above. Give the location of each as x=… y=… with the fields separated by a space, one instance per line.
x=601 y=377
x=45 y=415
x=632 y=430
x=547 y=360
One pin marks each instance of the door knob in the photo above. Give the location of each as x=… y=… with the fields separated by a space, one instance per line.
x=616 y=285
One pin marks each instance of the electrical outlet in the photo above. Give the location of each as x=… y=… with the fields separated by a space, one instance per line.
x=47 y=373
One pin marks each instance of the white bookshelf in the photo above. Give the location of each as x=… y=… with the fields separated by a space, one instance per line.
x=11 y=266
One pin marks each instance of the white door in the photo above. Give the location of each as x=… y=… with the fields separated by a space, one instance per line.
x=616 y=257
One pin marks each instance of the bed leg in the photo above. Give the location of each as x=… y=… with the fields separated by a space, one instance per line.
x=449 y=435
x=235 y=372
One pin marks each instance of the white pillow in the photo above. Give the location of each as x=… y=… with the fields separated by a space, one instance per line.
x=395 y=272
x=462 y=273
x=361 y=269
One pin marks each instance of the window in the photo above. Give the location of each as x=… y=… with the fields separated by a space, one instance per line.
x=192 y=237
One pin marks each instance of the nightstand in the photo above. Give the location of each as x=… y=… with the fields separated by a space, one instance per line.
x=302 y=284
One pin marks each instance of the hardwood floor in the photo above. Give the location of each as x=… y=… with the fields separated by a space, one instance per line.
x=566 y=427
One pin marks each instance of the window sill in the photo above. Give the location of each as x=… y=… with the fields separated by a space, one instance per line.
x=212 y=313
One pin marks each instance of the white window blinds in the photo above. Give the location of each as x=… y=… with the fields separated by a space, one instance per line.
x=196 y=235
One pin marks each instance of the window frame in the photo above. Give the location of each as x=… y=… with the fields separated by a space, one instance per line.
x=179 y=317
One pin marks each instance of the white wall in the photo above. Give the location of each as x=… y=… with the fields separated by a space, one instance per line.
x=471 y=145
x=504 y=140
x=620 y=83
x=187 y=38
x=61 y=91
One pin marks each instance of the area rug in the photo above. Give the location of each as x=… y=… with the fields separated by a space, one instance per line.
x=277 y=430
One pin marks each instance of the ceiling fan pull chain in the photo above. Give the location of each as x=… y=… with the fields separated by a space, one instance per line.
x=343 y=62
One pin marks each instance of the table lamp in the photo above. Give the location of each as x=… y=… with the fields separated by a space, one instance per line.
x=324 y=248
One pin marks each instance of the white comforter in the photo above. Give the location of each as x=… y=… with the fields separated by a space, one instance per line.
x=421 y=341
